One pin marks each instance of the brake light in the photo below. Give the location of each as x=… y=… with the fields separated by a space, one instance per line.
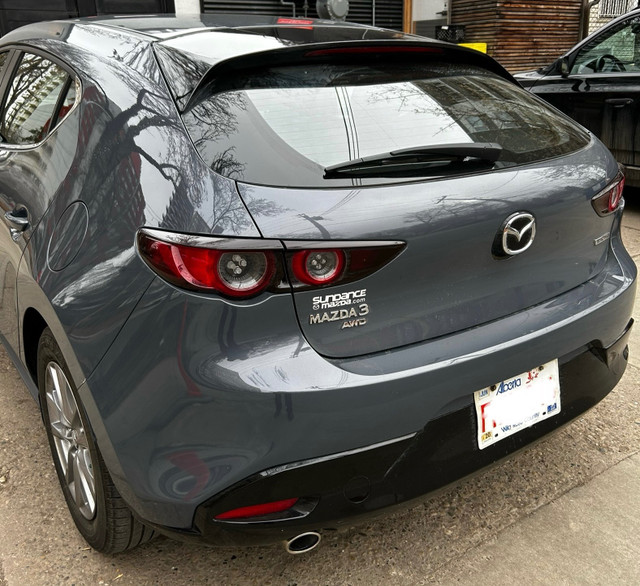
x=608 y=200
x=296 y=23
x=257 y=510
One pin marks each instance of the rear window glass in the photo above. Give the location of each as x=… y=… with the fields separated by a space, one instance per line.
x=285 y=126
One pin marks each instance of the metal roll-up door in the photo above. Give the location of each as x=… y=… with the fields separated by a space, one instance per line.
x=382 y=13
x=265 y=7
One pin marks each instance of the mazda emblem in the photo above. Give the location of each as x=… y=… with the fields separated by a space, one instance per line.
x=515 y=235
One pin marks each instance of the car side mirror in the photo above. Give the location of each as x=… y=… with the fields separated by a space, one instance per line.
x=563 y=67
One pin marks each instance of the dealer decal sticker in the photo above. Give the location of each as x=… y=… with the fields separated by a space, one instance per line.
x=350 y=308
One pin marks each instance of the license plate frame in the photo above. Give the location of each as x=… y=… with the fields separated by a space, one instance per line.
x=517 y=403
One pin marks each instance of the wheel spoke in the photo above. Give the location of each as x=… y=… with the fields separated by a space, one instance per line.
x=55 y=411
x=85 y=485
x=69 y=407
x=82 y=439
x=53 y=393
x=70 y=471
x=59 y=431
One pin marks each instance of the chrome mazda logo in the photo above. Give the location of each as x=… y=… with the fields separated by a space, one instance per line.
x=516 y=235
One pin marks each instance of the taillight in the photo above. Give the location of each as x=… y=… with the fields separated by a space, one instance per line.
x=257 y=510
x=241 y=268
x=234 y=273
x=608 y=200
x=311 y=268
x=318 y=267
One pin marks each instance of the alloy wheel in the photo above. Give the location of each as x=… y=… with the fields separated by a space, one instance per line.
x=70 y=440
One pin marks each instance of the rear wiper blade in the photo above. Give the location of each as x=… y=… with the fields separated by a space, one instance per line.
x=418 y=160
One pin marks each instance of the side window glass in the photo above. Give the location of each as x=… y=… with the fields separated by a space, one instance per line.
x=32 y=99
x=67 y=102
x=614 y=51
x=4 y=57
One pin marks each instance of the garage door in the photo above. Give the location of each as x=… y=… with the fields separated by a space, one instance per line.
x=383 y=13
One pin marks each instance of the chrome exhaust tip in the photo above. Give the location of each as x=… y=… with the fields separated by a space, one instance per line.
x=303 y=543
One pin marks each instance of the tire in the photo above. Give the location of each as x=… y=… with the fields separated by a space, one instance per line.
x=97 y=509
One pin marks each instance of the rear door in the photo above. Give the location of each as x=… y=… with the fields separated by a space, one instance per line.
x=38 y=93
x=602 y=90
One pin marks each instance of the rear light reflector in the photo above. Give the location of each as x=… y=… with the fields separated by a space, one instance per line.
x=608 y=200
x=257 y=510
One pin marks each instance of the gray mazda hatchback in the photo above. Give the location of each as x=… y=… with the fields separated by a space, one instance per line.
x=267 y=277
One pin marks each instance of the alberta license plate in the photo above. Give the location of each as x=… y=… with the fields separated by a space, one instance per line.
x=517 y=403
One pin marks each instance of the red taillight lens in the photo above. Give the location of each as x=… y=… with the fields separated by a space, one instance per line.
x=234 y=273
x=318 y=267
x=312 y=268
x=258 y=510
x=616 y=195
x=608 y=200
x=301 y=23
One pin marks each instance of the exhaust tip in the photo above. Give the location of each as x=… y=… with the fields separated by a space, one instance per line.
x=303 y=543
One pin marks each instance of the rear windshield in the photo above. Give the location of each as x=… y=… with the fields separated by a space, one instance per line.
x=285 y=126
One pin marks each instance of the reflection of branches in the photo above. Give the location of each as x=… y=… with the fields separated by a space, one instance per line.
x=182 y=71
x=216 y=117
x=225 y=164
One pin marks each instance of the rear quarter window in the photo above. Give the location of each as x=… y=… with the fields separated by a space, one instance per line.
x=285 y=126
x=39 y=94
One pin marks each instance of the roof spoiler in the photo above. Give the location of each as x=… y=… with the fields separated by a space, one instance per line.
x=340 y=52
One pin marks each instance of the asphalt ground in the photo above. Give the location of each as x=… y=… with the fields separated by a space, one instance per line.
x=566 y=511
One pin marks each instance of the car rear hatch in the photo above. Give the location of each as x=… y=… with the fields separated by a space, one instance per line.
x=487 y=188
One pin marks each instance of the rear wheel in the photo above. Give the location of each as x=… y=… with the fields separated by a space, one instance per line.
x=98 y=510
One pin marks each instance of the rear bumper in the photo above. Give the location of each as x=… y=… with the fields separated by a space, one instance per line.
x=347 y=488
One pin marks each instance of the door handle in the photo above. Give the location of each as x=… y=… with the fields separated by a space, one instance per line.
x=619 y=102
x=18 y=220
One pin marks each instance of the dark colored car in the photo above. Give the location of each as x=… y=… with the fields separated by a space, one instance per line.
x=268 y=278
x=597 y=83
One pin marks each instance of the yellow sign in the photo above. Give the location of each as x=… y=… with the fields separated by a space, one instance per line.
x=482 y=47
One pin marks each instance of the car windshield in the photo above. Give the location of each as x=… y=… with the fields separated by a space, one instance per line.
x=285 y=126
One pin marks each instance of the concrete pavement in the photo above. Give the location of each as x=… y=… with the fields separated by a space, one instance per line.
x=587 y=536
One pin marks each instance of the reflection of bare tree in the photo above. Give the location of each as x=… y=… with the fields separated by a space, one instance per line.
x=182 y=72
x=215 y=117
x=226 y=165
